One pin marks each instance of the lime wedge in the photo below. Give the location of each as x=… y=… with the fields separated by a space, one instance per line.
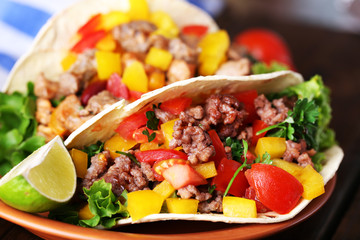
x=42 y=181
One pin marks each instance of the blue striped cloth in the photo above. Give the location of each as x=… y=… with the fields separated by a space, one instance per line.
x=20 y=20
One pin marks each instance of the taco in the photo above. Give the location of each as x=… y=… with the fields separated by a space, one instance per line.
x=98 y=52
x=251 y=149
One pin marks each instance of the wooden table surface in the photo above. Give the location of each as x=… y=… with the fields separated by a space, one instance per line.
x=335 y=56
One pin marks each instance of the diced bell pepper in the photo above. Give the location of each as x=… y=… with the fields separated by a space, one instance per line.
x=135 y=78
x=274 y=146
x=165 y=24
x=292 y=168
x=312 y=182
x=156 y=80
x=118 y=143
x=150 y=146
x=107 y=64
x=182 y=175
x=85 y=213
x=56 y=126
x=80 y=160
x=182 y=206
x=143 y=203
x=68 y=61
x=106 y=44
x=165 y=189
x=176 y=105
x=139 y=10
x=239 y=207
x=168 y=129
x=207 y=170
x=159 y=58
x=114 y=18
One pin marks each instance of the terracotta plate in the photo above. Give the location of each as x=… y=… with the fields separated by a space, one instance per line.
x=50 y=229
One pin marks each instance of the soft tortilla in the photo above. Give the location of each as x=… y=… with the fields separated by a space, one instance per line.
x=199 y=88
x=57 y=36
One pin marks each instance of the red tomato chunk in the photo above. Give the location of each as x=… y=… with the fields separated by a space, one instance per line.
x=277 y=189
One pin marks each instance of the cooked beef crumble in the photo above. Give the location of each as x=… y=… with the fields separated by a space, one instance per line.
x=298 y=153
x=269 y=114
x=122 y=173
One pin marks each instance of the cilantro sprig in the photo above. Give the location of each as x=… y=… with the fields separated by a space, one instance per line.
x=153 y=121
x=300 y=123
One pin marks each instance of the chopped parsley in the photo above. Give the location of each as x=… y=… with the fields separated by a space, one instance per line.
x=150 y=137
x=300 y=123
x=153 y=121
x=94 y=149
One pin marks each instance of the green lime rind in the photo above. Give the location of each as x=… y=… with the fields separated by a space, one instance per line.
x=19 y=194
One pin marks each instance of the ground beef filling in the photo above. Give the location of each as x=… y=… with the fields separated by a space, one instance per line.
x=122 y=173
x=298 y=153
x=223 y=112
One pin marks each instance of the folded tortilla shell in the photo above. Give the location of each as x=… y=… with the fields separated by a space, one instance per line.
x=57 y=36
x=199 y=88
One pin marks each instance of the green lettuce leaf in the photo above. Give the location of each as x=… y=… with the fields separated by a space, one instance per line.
x=105 y=206
x=261 y=67
x=17 y=128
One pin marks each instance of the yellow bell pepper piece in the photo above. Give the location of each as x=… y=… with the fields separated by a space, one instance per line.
x=159 y=58
x=213 y=51
x=168 y=129
x=182 y=206
x=274 y=146
x=113 y=19
x=118 y=143
x=207 y=170
x=107 y=64
x=150 y=146
x=85 y=213
x=135 y=78
x=209 y=66
x=55 y=125
x=165 y=189
x=156 y=80
x=143 y=203
x=68 y=61
x=80 y=160
x=165 y=24
x=139 y=10
x=312 y=182
x=239 y=207
x=290 y=167
x=106 y=44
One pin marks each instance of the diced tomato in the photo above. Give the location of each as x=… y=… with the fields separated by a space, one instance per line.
x=265 y=46
x=197 y=30
x=91 y=90
x=250 y=194
x=277 y=189
x=182 y=175
x=225 y=171
x=161 y=165
x=135 y=95
x=176 y=105
x=127 y=127
x=219 y=148
x=151 y=156
x=91 y=25
x=117 y=88
x=88 y=42
x=257 y=126
x=140 y=137
x=248 y=97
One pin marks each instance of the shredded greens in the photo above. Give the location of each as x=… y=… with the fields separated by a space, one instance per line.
x=18 y=127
